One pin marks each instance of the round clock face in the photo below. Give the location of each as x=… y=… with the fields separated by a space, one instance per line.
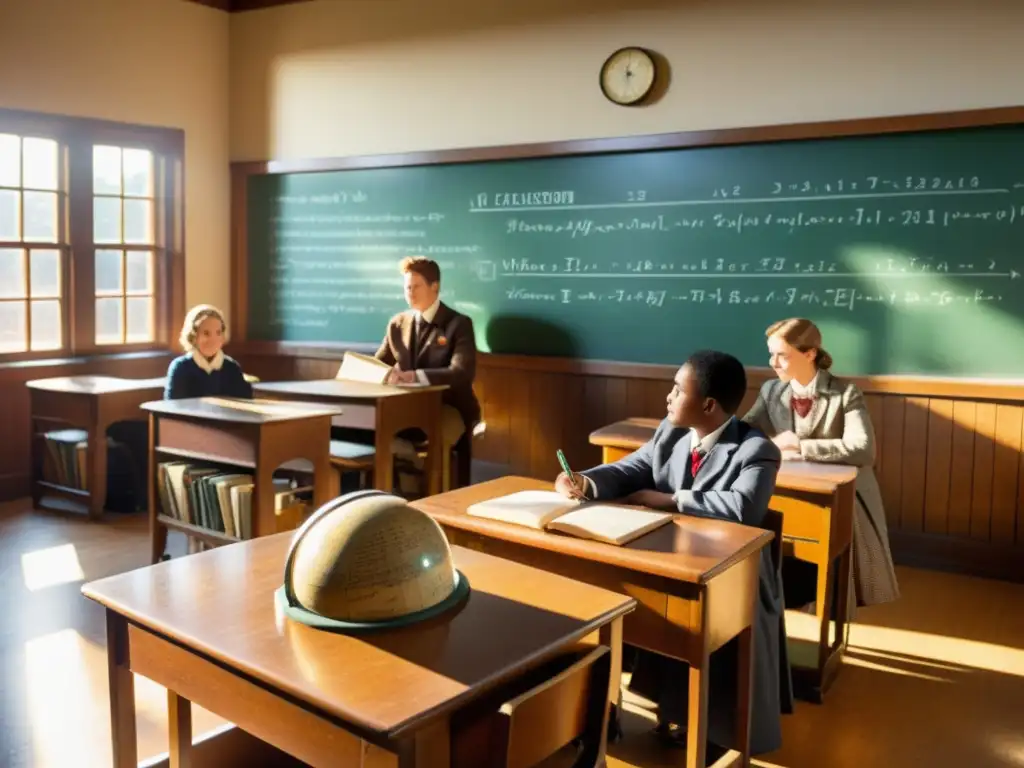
x=628 y=75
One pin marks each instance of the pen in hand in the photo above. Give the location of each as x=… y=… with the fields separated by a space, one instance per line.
x=579 y=494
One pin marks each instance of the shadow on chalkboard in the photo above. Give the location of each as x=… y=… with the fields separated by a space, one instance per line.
x=516 y=335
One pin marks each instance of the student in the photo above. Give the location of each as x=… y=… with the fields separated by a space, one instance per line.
x=204 y=370
x=431 y=343
x=702 y=461
x=813 y=416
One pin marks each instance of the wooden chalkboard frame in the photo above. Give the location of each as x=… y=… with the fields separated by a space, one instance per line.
x=924 y=386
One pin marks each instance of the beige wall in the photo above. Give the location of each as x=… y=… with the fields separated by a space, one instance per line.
x=154 y=62
x=336 y=77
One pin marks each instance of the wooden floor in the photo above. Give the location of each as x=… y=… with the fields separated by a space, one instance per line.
x=936 y=680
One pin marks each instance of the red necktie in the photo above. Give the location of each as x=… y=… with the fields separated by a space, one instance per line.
x=802 y=405
x=696 y=457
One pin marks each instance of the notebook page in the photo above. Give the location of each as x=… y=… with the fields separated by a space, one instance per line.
x=530 y=508
x=609 y=523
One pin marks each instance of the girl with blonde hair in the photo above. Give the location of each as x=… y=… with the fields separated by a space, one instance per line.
x=204 y=370
x=812 y=415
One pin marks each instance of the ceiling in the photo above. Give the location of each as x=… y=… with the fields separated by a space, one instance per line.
x=236 y=6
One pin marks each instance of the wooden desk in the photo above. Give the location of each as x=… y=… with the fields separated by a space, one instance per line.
x=329 y=699
x=258 y=434
x=386 y=410
x=696 y=582
x=817 y=506
x=91 y=403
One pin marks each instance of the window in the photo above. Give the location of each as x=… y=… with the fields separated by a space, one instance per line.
x=31 y=247
x=90 y=236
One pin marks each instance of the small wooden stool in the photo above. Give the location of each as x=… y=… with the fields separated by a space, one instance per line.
x=354 y=457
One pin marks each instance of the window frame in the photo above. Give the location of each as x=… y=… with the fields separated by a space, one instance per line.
x=76 y=137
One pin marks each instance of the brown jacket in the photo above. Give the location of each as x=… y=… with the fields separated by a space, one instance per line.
x=446 y=354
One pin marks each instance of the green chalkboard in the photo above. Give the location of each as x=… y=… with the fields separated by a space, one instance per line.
x=907 y=249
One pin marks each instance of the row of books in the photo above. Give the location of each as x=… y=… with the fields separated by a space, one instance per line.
x=210 y=497
x=64 y=458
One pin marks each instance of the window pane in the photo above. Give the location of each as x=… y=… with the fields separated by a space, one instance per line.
x=12 y=327
x=106 y=170
x=40 y=163
x=138 y=172
x=41 y=216
x=44 y=276
x=139 y=272
x=106 y=219
x=138 y=313
x=10 y=215
x=45 y=324
x=108 y=273
x=108 y=321
x=12 y=273
x=10 y=160
x=138 y=221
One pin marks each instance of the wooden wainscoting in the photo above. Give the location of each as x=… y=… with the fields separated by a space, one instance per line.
x=14 y=403
x=950 y=459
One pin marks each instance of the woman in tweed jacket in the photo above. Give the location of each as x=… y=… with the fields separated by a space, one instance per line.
x=813 y=416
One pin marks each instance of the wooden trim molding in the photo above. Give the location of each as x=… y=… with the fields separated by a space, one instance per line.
x=925 y=386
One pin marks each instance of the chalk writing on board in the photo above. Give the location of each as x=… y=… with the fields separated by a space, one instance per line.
x=331 y=198
x=839 y=297
x=739 y=222
x=539 y=198
x=359 y=218
x=773 y=267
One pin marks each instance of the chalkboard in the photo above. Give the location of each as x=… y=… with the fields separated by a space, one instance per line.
x=907 y=249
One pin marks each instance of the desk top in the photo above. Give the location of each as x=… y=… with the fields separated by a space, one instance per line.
x=95 y=385
x=340 y=389
x=240 y=410
x=630 y=434
x=691 y=549
x=387 y=682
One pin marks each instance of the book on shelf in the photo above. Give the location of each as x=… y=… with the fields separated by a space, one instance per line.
x=549 y=510
x=365 y=368
x=221 y=501
x=64 y=458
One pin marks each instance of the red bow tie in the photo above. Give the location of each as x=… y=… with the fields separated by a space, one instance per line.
x=696 y=457
x=802 y=405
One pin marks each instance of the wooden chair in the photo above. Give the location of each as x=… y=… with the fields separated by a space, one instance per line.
x=353 y=457
x=527 y=721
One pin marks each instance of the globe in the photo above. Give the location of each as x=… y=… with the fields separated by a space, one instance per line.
x=368 y=558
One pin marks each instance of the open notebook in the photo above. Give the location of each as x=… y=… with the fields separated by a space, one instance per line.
x=358 y=367
x=548 y=510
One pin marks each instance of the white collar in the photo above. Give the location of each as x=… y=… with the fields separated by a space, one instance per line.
x=427 y=315
x=707 y=442
x=208 y=365
x=804 y=391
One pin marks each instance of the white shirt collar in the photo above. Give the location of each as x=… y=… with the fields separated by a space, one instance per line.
x=427 y=315
x=208 y=365
x=706 y=443
x=804 y=391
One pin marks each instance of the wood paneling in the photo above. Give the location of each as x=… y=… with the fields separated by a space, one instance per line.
x=950 y=462
x=14 y=403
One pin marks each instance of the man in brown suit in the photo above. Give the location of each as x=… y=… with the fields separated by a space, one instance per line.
x=431 y=343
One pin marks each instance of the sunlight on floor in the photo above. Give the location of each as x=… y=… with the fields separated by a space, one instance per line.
x=66 y=675
x=51 y=566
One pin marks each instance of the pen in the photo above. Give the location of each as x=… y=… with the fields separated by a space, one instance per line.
x=569 y=472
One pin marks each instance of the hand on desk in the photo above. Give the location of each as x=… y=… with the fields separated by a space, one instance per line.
x=651 y=500
x=398 y=376
x=576 y=488
x=787 y=441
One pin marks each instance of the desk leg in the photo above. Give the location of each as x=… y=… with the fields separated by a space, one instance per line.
x=122 y=694
x=384 y=460
x=96 y=459
x=697 y=722
x=826 y=589
x=843 y=598
x=611 y=635
x=744 y=693
x=428 y=748
x=179 y=730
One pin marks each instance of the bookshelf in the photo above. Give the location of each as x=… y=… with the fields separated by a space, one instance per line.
x=257 y=436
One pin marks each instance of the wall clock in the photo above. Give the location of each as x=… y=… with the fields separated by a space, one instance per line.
x=627 y=76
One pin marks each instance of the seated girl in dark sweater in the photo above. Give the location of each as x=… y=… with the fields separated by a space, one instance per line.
x=204 y=370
